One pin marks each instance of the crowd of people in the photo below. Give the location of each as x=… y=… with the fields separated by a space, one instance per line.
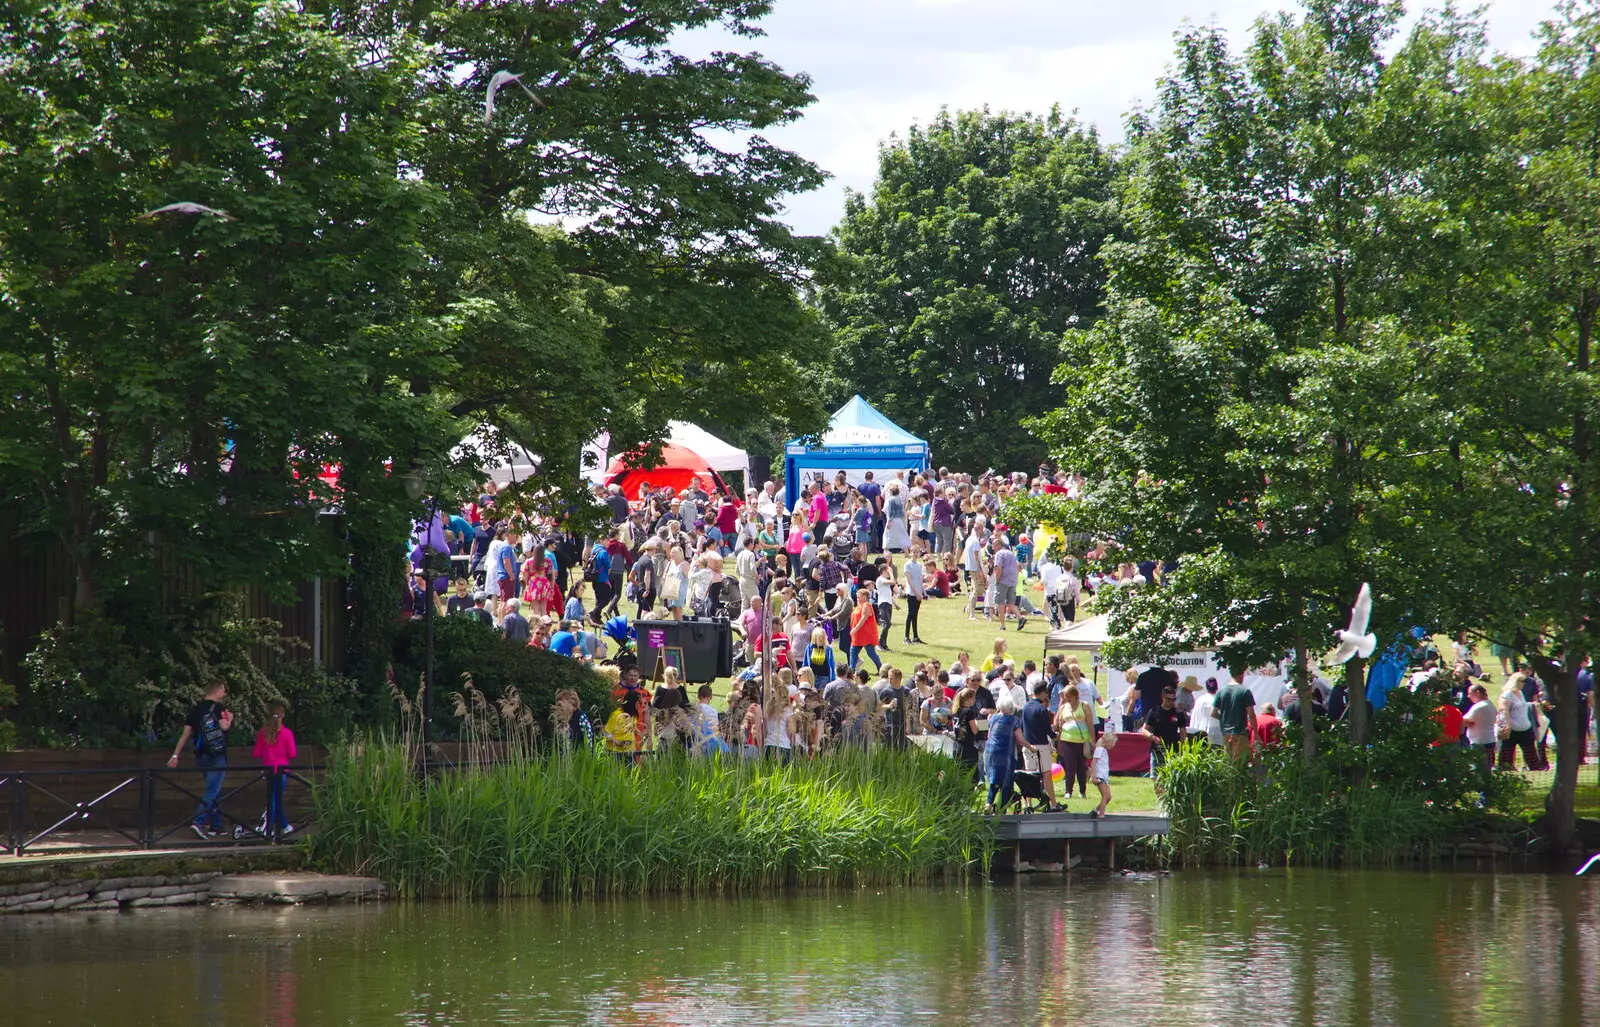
x=813 y=593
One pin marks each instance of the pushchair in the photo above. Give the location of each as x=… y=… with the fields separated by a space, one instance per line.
x=1029 y=788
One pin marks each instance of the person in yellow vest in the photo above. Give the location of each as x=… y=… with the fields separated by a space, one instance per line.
x=621 y=733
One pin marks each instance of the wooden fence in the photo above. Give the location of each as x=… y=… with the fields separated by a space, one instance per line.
x=36 y=588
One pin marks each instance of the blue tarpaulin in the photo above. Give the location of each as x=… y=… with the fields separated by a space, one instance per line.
x=858 y=439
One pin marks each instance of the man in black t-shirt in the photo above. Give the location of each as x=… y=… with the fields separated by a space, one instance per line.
x=207 y=722
x=1039 y=735
x=899 y=706
x=1149 y=686
x=1165 y=726
x=461 y=600
x=476 y=610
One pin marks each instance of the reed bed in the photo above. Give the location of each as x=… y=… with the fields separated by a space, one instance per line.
x=583 y=824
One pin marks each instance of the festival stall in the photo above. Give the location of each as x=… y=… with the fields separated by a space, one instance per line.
x=680 y=467
x=503 y=461
x=718 y=455
x=859 y=439
x=1266 y=684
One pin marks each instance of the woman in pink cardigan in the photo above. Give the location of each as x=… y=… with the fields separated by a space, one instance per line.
x=275 y=749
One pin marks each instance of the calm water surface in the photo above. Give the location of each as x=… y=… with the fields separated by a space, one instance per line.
x=1269 y=948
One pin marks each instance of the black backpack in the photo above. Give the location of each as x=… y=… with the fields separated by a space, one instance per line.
x=211 y=739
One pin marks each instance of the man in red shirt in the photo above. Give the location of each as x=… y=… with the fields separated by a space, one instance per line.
x=1268 y=727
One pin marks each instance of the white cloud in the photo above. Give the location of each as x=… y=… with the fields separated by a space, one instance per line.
x=877 y=66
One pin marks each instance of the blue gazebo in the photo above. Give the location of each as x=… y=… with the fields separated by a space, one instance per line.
x=859 y=439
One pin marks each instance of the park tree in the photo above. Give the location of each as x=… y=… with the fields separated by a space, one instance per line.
x=957 y=275
x=1272 y=399
x=1539 y=411
x=188 y=374
x=608 y=255
x=395 y=268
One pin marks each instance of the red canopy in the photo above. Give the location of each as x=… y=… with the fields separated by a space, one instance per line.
x=679 y=469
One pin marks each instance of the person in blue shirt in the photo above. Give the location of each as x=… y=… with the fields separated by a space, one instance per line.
x=602 y=576
x=1005 y=738
x=458 y=531
x=565 y=641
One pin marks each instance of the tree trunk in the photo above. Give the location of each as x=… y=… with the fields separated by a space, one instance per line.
x=1560 y=818
x=1302 y=691
x=1355 y=684
x=376 y=577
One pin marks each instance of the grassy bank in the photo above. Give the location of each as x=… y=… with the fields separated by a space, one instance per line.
x=586 y=825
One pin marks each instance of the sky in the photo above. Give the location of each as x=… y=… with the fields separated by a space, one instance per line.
x=879 y=66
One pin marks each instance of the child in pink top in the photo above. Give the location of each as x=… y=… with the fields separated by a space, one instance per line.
x=275 y=749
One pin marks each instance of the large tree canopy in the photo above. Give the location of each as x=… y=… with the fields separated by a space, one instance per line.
x=1269 y=397
x=1348 y=340
x=191 y=374
x=958 y=274
x=395 y=268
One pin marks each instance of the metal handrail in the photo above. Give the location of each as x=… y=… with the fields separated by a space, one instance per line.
x=17 y=787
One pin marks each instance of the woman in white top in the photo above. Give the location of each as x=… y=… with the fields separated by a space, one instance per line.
x=1518 y=714
x=777 y=711
x=1088 y=694
x=883 y=600
x=794 y=626
x=700 y=580
x=1203 y=722
x=675 y=590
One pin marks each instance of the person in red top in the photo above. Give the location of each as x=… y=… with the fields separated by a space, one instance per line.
x=1448 y=717
x=1268 y=727
x=728 y=523
x=275 y=749
x=864 y=630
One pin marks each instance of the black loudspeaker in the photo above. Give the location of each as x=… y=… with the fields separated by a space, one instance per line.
x=707 y=647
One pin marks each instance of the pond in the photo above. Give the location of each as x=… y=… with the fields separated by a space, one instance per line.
x=1270 y=948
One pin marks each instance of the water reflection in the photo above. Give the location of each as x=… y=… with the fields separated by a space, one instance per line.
x=1270 y=948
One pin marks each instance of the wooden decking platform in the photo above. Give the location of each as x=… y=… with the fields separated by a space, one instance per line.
x=1032 y=827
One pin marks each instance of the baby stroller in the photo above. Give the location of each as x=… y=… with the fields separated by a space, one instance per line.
x=1029 y=787
x=730 y=605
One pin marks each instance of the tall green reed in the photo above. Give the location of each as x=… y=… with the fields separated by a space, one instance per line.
x=581 y=823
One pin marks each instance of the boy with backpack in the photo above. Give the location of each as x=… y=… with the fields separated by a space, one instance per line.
x=207 y=722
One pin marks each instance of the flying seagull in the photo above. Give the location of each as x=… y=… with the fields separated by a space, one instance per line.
x=499 y=79
x=187 y=208
x=1356 y=640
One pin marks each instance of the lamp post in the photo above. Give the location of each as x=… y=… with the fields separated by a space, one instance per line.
x=414 y=488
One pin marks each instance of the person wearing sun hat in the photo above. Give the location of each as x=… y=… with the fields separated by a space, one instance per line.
x=1186 y=693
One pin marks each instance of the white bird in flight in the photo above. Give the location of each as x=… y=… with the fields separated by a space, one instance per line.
x=498 y=80
x=1356 y=640
x=186 y=207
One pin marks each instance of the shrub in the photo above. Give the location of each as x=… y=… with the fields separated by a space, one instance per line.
x=324 y=708
x=1391 y=799
x=464 y=645
x=89 y=685
x=125 y=677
